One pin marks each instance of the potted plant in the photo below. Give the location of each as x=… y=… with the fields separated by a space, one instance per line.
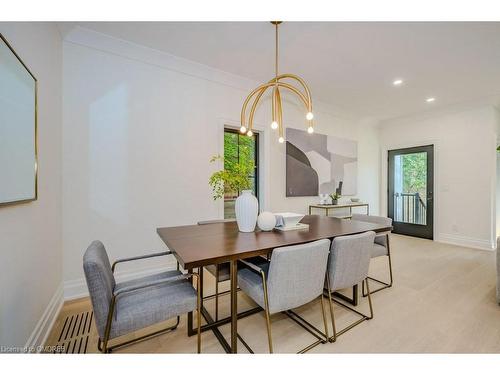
x=335 y=197
x=234 y=179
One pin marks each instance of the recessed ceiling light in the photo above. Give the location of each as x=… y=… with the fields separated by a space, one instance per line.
x=430 y=100
x=397 y=82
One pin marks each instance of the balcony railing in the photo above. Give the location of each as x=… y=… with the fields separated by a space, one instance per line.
x=409 y=208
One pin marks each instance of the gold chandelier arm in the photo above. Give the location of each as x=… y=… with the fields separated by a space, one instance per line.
x=254 y=107
x=262 y=87
x=280 y=112
x=260 y=91
x=307 y=98
x=273 y=105
x=302 y=83
x=296 y=91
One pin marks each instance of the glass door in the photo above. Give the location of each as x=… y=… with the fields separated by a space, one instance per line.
x=411 y=190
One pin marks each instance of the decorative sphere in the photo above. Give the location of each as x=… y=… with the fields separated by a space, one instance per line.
x=243 y=129
x=274 y=125
x=310 y=130
x=281 y=139
x=266 y=221
x=249 y=133
x=309 y=116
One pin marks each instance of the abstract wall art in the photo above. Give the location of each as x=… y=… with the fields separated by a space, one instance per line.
x=320 y=164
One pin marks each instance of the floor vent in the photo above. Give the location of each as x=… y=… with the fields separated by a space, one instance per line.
x=74 y=335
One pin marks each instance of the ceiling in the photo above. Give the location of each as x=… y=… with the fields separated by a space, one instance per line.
x=350 y=65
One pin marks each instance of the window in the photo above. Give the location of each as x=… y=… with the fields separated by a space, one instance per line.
x=240 y=148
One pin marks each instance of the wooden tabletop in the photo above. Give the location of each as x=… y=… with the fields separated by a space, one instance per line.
x=202 y=245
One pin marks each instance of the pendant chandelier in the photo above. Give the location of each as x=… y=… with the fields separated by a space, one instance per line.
x=277 y=84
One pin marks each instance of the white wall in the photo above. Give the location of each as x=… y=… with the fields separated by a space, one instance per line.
x=30 y=234
x=139 y=127
x=497 y=218
x=464 y=170
x=497 y=195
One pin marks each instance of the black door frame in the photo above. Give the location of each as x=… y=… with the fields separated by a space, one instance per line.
x=415 y=230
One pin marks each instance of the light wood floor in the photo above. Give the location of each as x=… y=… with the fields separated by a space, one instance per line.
x=442 y=301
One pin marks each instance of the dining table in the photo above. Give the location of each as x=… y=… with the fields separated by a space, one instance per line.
x=197 y=246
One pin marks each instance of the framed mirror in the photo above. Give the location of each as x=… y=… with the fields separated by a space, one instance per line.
x=18 y=128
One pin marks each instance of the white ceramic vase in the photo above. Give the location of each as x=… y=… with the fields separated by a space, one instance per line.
x=247 y=209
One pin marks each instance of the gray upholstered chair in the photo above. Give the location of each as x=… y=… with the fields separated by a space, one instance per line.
x=381 y=247
x=122 y=308
x=219 y=271
x=348 y=266
x=293 y=277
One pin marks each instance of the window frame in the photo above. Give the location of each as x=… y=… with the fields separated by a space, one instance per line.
x=256 y=150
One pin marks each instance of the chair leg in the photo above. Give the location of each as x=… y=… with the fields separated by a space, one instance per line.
x=354 y=324
x=369 y=298
x=390 y=261
x=107 y=330
x=324 y=317
x=385 y=285
x=109 y=349
x=217 y=293
x=268 y=315
x=269 y=334
x=322 y=337
x=330 y=300
x=105 y=347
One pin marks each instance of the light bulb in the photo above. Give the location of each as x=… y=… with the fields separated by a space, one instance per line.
x=310 y=130
x=249 y=133
x=274 y=125
x=309 y=116
x=281 y=139
x=243 y=129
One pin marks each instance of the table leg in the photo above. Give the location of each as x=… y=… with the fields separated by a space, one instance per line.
x=309 y=210
x=326 y=211
x=190 y=315
x=200 y=272
x=355 y=295
x=353 y=301
x=234 y=305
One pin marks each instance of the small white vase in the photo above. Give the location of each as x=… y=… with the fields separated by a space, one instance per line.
x=266 y=221
x=247 y=208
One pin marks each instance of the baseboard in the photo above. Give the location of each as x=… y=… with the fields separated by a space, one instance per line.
x=475 y=243
x=42 y=329
x=77 y=288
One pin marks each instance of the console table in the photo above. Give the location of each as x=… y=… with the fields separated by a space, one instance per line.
x=350 y=206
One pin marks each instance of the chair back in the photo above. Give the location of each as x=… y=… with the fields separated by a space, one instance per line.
x=216 y=221
x=100 y=282
x=296 y=274
x=380 y=238
x=349 y=260
x=387 y=221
